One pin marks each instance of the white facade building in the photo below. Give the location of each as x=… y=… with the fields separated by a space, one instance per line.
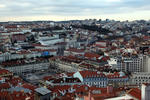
x=145 y=92
x=92 y=78
x=130 y=64
x=146 y=63
x=28 y=67
x=139 y=78
x=113 y=62
x=50 y=40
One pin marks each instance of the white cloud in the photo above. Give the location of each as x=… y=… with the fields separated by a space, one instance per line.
x=2 y=6
x=12 y=9
x=113 y=0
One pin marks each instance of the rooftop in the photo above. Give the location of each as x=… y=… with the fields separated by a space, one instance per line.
x=42 y=90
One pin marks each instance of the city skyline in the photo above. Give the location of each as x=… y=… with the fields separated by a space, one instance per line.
x=56 y=10
x=56 y=50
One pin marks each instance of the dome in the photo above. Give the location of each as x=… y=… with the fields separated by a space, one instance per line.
x=122 y=74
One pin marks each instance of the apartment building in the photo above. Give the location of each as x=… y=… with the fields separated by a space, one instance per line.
x=139 y=78
x=130 y=64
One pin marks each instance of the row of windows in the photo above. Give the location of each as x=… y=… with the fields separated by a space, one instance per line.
x=94 y=79
x=142 y=77
x=96 y=83
x=121 y=80
x=140 y=82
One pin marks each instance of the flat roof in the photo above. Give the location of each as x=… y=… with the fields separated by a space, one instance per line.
x=42 y=90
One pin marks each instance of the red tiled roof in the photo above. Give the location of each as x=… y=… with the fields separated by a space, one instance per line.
x=18 y=95
x=60 y=88
x=61 y=43
x=15 y=81
x=102 y=41
x=4 y=86
x=135 y=92
x=105 y=58
x=70 y=74
x=10 y=63
x=11 y=26
x=19 y=62
x=87 y=73
x=1 y=78
x=4 y=71
x=102 y=95
x=67 y=98
x=91 y=55
x=48 y=78
x=75 y=50
x=101 y=47
x=24 y=52
x=37 y=45
x=71 y=58
x=5 y=95
x=87 y=65
x=67 y=80
x=81 y=88
x=78 y=89
x=115 y=75
x=146 y=37
x=147 y=84
x=42 y=50
x=29 y=86
x=18 y=37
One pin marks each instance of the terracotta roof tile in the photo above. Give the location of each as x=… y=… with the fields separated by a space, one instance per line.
x=88 y=73
x=91 y=55
x=135 y=92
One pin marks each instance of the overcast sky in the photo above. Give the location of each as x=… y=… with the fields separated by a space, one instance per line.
x=11 y=10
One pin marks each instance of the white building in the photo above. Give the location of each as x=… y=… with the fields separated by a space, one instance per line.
x=146 y=63
x=92 y=78
x=28 y=67
x=50 y=40
x=25 y=54
x=139 y=78
x=145 y=92
x=130 y=64
x=74 y=51
x=113 y=62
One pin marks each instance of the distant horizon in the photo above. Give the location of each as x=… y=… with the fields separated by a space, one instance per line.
x=72 y=20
